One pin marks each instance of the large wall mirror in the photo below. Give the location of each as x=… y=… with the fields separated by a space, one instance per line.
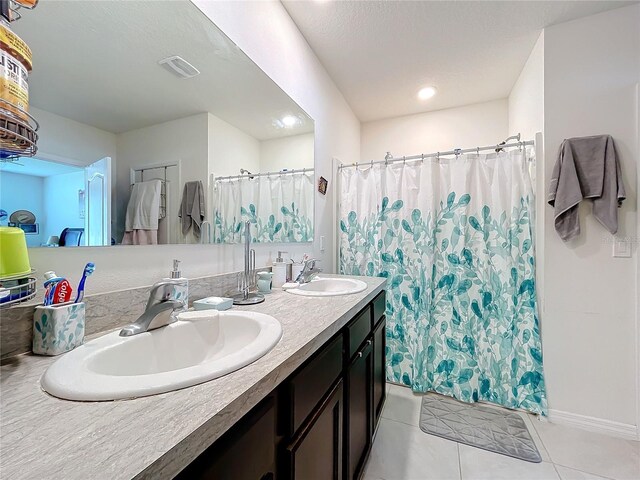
x=154 y=128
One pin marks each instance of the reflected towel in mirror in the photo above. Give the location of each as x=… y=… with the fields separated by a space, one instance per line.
x=143 y=211
x=191 y=211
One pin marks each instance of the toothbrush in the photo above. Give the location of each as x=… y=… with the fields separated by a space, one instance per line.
x=89 y=268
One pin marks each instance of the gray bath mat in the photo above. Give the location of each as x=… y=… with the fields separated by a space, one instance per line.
x=498 y=431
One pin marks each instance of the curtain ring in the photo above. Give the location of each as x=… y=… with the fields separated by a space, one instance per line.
x=438 y=157
x=371 y=163
x=422 y=158
x=478 y=151
x=404 y=160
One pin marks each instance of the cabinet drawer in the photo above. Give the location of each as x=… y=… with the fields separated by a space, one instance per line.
x=358 y=330
x=379 y=307
x=311 y=383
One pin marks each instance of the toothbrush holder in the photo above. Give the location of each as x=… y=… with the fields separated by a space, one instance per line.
x=58 y=328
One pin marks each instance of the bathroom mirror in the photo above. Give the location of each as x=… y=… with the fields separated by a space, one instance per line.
x=145 y=110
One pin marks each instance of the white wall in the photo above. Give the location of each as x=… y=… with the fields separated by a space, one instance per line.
x=266 y=33
x=231 y=149
x=184 y=140
x=526 y=116
x=293 y=152
x=13 y=187
x=526 y=100
x=61 y=205
x=589 y=330
x=461 y=127
x=60 y=138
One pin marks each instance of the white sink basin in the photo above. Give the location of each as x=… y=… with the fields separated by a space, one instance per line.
x=329 y=287
x=179 y=355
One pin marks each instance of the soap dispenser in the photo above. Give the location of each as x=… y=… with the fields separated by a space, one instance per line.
x=181 y=290
x=279 y=271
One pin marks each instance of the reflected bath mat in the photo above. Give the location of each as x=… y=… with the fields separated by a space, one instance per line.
x=500 y=431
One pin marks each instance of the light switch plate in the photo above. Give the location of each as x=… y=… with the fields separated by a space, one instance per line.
x=621 y=247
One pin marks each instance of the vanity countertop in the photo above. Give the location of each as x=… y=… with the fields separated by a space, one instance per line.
x=155 y=437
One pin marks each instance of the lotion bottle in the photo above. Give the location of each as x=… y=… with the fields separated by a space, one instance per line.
x=279 y=271
x=181 y=290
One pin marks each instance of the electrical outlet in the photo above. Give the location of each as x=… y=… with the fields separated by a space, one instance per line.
x=621 y=247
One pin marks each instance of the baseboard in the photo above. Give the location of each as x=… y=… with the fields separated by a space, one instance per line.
x=598 y=425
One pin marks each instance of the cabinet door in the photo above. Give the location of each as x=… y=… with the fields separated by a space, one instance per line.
x=316 y=453
x=359 y=410
x=252 y=437
x=379 y=370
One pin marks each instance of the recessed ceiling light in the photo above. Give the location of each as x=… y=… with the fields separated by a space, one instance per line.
x=289 y=121
x=426 y=93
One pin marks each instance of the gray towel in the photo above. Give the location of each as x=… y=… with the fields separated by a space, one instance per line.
x=192 y=207
x=587 y=167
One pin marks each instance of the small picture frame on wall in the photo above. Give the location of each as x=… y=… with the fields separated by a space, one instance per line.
x=322 y=185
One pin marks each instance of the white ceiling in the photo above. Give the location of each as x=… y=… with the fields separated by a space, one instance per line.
x=380 y=53
x=38 y=168
x=96 y=62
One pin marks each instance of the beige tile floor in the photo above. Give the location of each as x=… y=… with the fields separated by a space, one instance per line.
x=401 y=451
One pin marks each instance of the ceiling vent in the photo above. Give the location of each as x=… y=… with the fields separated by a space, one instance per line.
x=179 y=66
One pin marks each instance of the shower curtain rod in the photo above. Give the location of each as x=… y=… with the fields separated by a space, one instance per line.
x=265 y=174
x=457 y=151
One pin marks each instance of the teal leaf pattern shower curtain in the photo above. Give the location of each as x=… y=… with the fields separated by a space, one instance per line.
x=278 y=207
x=454 y=238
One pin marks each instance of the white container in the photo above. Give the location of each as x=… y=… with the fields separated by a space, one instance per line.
x=279 y=274
x=58 y=328
x=280 y=271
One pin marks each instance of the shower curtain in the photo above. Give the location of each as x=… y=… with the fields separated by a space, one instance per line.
x=279 y=207
x=454 y=238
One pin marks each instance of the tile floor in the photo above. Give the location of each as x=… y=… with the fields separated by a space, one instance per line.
x=401 y=451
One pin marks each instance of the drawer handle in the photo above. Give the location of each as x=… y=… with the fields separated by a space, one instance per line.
x=368 y=342
x=359 y=354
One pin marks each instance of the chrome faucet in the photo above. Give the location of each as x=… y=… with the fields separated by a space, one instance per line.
x=159 y=309
x=308 y=271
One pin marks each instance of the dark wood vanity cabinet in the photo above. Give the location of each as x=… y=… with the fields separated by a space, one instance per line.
x=320 y=422
x=317 y=451
x=379 y=368
x=245 y=452
x=359 y=419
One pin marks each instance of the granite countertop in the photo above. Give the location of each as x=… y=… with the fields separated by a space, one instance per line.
x=155 y=437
